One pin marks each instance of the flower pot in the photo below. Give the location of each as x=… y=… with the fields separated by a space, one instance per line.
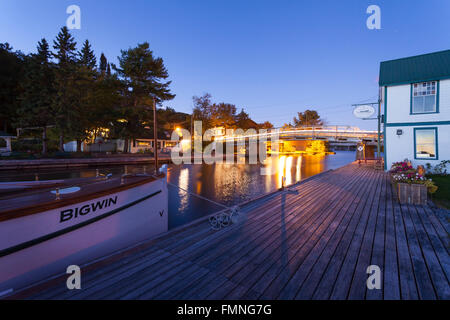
x=412 y=193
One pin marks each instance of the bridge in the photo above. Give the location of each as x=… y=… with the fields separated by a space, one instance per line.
x=337 y=136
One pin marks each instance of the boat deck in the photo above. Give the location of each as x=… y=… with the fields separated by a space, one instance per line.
x=315 y=241
x=24 y=198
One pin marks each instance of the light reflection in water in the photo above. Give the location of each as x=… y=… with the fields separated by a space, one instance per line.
x=183 y=182
x=231 y=184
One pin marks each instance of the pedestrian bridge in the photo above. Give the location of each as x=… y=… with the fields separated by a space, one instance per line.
x=333 y=134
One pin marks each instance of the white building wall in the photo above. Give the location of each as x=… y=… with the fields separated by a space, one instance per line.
x=399 y=105
x=398 y=109
x=399 y=148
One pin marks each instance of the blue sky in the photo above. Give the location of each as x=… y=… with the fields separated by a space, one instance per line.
x=273 y=58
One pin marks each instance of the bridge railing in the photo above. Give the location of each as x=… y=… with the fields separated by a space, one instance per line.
x=312 y=131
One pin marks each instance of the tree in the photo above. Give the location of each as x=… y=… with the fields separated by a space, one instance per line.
x=11 y=74
x=243 y=121
x=87 y=57
x=38 y=92
x=103 y=63
x=84 y=90
x=202 y=110
x=64 y=103
x=223 y=115
x=308 y=118
x=143 y=78
x=266 y=125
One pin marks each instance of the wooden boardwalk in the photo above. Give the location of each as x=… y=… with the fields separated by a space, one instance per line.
x=314 y=243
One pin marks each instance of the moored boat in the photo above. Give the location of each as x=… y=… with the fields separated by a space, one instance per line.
x=50 y=226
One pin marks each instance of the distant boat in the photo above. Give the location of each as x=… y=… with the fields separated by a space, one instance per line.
x=47 y=226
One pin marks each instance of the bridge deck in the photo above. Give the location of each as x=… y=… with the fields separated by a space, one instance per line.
x=316 y=244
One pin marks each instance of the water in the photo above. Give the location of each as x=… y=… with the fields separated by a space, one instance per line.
x=228 y=184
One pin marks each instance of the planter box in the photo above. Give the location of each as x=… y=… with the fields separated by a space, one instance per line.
x=412 y=193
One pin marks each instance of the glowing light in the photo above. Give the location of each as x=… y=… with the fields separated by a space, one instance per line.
x=288 y=170
x=281 y=170
x=299 y=169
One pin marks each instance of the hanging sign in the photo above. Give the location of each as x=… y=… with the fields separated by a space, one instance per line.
x=364 y=111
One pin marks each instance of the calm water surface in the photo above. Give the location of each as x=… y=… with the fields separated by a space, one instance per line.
x=228 y=184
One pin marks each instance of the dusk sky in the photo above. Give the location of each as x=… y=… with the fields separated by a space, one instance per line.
x=272 y=58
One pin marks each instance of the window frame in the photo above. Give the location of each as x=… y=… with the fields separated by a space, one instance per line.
x=436 y=143
x=411 y=110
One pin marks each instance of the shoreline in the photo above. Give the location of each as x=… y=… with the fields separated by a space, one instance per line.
x=6 y=165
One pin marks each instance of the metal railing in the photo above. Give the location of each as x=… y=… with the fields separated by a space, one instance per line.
x=311 y=131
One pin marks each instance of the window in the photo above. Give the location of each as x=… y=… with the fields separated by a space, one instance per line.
x=424 y=97
x=425 y=143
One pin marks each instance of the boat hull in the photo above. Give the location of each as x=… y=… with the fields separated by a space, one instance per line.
x=35 y=247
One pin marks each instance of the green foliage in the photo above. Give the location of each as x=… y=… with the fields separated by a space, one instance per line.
x=36 y=100
x=64 y=103
x=222 y=115
x=142 y=77
x=442 y=195
x=440 y=169
x=103 y=64
x=11 y=74
x=307 y=118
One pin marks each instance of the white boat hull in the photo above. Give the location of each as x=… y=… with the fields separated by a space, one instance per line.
x=37 y=246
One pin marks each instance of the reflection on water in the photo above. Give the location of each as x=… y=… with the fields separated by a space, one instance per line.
x=228 y=184
x=231 y=184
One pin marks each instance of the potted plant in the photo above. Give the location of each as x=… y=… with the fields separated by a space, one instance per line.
x=412 y=187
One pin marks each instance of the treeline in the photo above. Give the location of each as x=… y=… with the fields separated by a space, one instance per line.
x=69 y=91
x=223 y=115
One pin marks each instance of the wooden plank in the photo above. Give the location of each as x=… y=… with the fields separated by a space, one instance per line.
x=437 y=275
x=359 y=285
x=177 y=284
x=129 y=281
x=423 y=280
x=307 y=289
x=378 y=247
x=391 y=284
x=104 y=272
x=205 y=286
x=325 y=286
x=441 y=252
x=288 y=282
x=440 y=230
x=345 y=275
x=408 y=287
x=226 y=265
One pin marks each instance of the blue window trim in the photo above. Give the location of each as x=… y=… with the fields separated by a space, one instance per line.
x=413 y=124
x=411 y=98
x=435 y=143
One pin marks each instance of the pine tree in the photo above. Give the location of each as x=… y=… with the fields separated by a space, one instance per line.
x=38 y=92
x=103 y=63
x=65 y=47
x=142 y=75
x=84 y=87
x=87 y=56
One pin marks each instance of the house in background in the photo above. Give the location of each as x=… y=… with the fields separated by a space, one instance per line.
x=145 y=143
x=415 y=92
x=5 y=142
